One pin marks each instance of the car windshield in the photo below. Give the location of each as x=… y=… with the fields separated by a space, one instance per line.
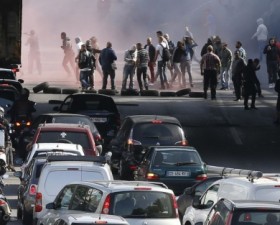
x=176 y=157
x=151 y=134
x=7 y=75
x=64 y=136
x=93 y=103
x=142 y=204
x=253 y=217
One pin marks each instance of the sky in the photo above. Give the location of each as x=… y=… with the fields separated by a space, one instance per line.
x=126 y=22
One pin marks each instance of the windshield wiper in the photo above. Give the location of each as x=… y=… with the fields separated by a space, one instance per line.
x=184 y=163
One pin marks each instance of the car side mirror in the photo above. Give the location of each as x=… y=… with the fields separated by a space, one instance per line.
x=50 y=205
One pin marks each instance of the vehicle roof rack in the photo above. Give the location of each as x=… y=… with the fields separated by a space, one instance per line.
x=107 y=183
x=225 y=171
x=56 y=158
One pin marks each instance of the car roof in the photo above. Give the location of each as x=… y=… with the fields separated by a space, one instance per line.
x=62 y=126
x=241 y=204
x=64 y=114
x=53 y=146
x=149 y=118
x=164 y=148
x=244 y=181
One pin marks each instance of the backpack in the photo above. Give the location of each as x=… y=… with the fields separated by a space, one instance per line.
x=166 y=56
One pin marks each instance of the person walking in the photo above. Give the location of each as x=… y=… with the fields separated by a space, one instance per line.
x=210 y=64
x=226 y=61
x=79 y=44
x=152 y=52
x=92 y=64
x=272 y=56
x=69 y=55
x=238 y=65
x=242 y=51
x=177 y=58
x=129 y=67
x=142 y=66
x=107 y=58
x=34 y=53
x=249 y=83
x=96 y=51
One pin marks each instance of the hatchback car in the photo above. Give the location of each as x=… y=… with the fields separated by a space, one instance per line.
x=100 y=108
x=177 y=167
x=65 y=133
x=243 y=213
x=137 y=201
x=139 y=132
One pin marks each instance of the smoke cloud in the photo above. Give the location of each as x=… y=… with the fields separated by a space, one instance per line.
x=125 y=22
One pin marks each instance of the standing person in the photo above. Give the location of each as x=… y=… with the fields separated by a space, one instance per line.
x=152 y=52
x=204 y=48
x=261 y=34
x=238 y=65
x=210 y=65
x=69 y=55
x=84 y=62
x=171 y=48
x=272 y=56
x=106 y=58
x=129 y=67
x=188 y=33
x=249 y=83
x=258 y=85
x=142 y=66
x=186 y=61
x=242 y=52
x=277 y=89
x=177 y=58
x=161 y=64
x=34 y=52
x=226 y=60
x=92 y=64
x=96 y=51
x=79 y=43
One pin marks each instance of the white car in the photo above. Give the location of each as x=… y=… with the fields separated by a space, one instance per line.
x=59 y=171
x=232 y=188
x=45 y=149
x=139 y=202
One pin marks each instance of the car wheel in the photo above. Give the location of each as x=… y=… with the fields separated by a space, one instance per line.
x=40 y=87
x=196 y=94
x=69 y=91
x=149 y=93
x=183 y=92
x=52 y=90
x=167 y=94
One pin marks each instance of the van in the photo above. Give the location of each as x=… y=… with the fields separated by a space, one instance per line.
x=59 y=171
x=232 y=188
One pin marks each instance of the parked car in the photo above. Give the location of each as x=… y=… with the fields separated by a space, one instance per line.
x=65 y=133
x=69 y=118
x=28 y=188
x=59 y=171
x=176 y=166
x=190 y=193
x=243 y=213
x=139 y=132
x=100 y=108
x=137 y=201
x=233 y=188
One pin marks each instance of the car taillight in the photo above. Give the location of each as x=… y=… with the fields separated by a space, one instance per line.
x=132 y=167
x=157 y=122
x=175 y=205
x=229 y=218
x=142 y=189
x=152 y=176
x=201 y=177
x=14 y=70
x=32 y=189
x=133 y=142
x=28 y=123
x=2 y=202
x=106 y=206
x=38 y=202
x=17 y=124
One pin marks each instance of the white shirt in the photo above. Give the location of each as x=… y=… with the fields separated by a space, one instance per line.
x=160 y=49
x=261 y=33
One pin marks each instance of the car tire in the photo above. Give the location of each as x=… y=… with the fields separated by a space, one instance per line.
x=167 y=94
x=52 y=90
x=149 y=93
x=107 y=92
x=69 y=91
x=183 y=92
x=196 y=94
x=130 y=92
x=40 y=87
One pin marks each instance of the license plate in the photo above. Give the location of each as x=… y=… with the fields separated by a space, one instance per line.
x=178 y=173
x=98 y=119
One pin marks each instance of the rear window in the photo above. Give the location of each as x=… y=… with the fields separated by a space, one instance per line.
x=142 y=204
x=50 y=152
x=165 y=133
x=57 y=136
x=246 y=217
x=7 y=75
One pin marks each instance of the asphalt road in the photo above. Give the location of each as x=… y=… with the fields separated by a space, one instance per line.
x=222 y=131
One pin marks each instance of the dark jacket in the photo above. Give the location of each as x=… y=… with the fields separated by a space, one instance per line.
x=273 y=54
x=204 y=48
x=250 y=79
x=152 y=52
x=106 y=58
x=178 y=54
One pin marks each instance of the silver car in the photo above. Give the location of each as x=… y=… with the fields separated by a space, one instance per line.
x=139 y=202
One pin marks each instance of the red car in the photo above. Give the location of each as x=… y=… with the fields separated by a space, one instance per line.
x=66 y=133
